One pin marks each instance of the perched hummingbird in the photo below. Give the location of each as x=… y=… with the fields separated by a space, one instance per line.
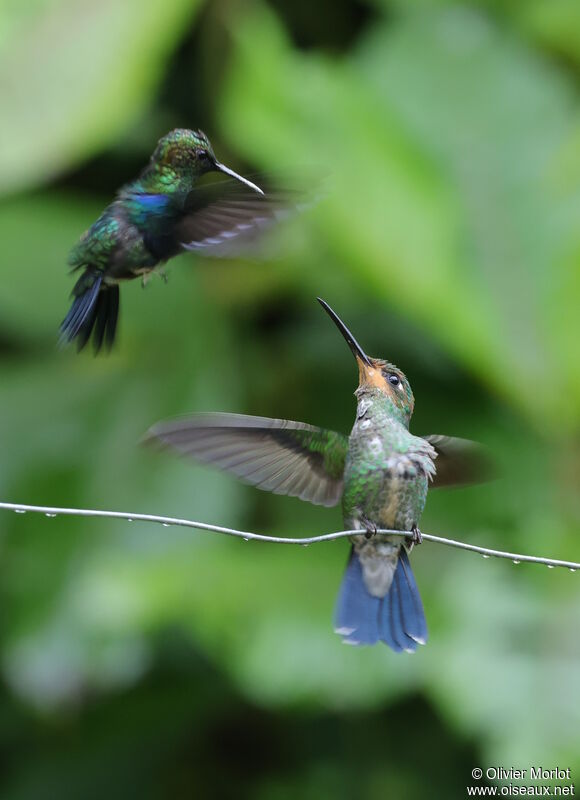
x=381 y=474
x=160 y=214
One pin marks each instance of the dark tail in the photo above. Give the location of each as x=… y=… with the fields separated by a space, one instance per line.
x=397 y=619
x=94 y=312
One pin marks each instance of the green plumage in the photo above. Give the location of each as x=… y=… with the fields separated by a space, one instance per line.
x=160 y=214
x=380 y=473
x=387 y=468
x=114 y=247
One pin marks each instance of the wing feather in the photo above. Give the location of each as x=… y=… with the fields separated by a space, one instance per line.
x=459 y=461
x=275 y=455
x=226 y=217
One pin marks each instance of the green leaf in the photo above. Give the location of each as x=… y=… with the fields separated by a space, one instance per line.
x=445 y=139
x=75 y=76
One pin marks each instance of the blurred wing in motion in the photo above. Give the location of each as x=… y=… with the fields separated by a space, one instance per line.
x=227 y=218
x=459 y=461
x=275 y=455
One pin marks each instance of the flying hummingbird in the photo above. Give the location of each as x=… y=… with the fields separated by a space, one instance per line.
x=160 y=214
x=380 y=473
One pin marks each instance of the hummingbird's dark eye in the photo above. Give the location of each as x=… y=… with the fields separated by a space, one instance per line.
x=393 y=379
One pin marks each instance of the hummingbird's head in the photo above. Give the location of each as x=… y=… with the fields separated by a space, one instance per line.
x=388 y=379
x=188 y=155
x=375 y=374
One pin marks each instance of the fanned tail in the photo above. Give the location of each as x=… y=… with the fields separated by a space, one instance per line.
x=397 y=619
x=94 y=312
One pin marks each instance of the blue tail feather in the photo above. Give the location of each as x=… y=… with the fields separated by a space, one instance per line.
x=411 y=606
x=94 y=312
x=80 y=311
x=396 y=619
x=392 y=629
x=389 y=623
x=357 y=612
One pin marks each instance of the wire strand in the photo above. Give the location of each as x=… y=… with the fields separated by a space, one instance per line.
x=486 y=552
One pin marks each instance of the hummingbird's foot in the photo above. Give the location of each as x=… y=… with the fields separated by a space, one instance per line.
x=417 y=535
x=370 y=527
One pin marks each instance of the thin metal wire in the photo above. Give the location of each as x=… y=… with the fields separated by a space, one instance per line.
x=54 y=511
x=486 y=552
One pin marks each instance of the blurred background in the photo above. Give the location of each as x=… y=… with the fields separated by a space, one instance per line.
x=168 y=663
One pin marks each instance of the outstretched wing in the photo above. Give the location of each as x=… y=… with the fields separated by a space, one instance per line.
x=227 y=218
x=276 y=455
x=459 y=461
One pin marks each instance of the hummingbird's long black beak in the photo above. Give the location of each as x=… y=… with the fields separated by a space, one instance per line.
x=227 y=171
x=357 y=350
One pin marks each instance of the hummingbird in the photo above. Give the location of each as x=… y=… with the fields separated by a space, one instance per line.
x=380 y=474
x=160 y=214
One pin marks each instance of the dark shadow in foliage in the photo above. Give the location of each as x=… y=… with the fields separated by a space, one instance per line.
x=186 y=731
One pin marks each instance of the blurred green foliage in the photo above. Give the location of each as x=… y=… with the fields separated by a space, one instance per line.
x=138 y=659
